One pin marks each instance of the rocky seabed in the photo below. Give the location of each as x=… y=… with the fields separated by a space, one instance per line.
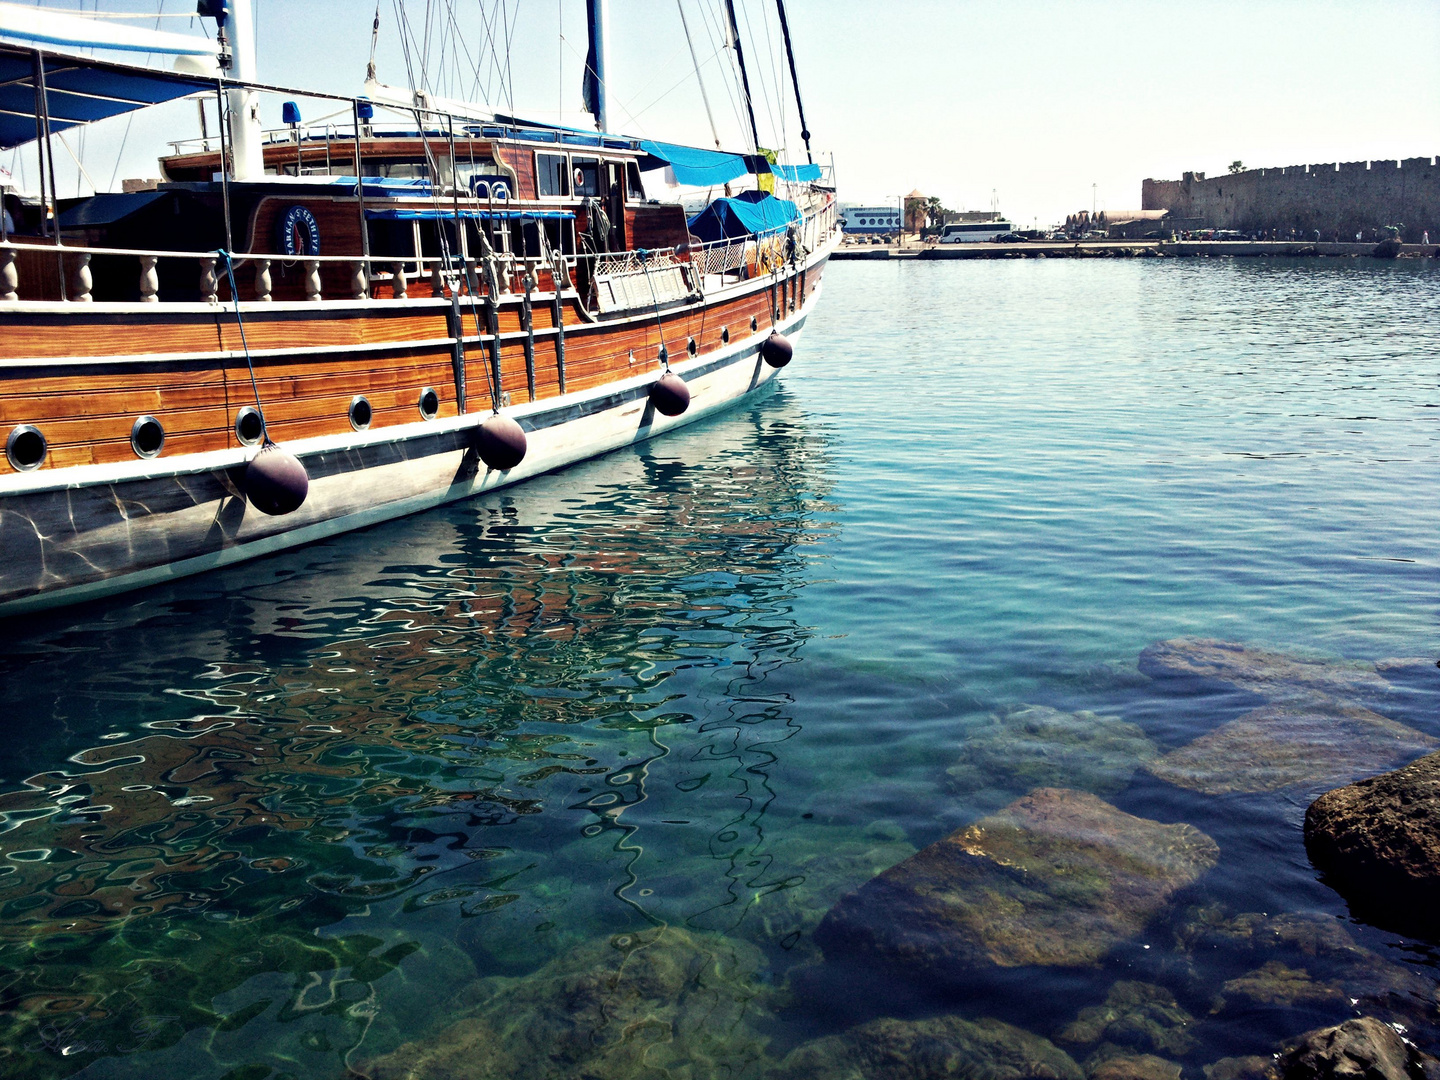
x=1054 y=879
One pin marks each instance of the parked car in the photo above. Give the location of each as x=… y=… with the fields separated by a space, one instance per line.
x=1011 y=238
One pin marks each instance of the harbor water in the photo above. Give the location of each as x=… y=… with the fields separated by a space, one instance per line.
x=582 y=778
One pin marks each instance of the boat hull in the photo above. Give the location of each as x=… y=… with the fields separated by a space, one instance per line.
x=106 y=535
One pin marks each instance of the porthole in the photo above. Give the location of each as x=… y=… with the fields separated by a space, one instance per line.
x=26 y=448
x=429 y=403
x=249 y=426
x=754 y=324
x=360 y=412
x=778 y=311
x=725 y=335
x=691 y=347
x=147 y=437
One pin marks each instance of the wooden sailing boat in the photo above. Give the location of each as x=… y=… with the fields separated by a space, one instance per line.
x=296 y=334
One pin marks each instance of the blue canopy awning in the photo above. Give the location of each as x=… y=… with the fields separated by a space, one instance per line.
x=751 y=213
x=702 y=168
x=797 y=174
x=79 y=90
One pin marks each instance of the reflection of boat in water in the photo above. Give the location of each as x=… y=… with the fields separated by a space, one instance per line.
x=301 y=727
x=422 y=307
x=404 y=726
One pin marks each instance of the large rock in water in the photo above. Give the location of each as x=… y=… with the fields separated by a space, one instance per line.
x=656 y=1003
x=1273 y=675
x=1362 y=1049
x=1378 y=843
x=1300 y=744
x=1055 y=878
x=937 y=1049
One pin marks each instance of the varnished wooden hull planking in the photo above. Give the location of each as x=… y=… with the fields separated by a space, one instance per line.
x=96 y=521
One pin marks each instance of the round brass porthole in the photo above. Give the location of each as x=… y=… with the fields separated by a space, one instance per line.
x=360 y=412
x=691 y=347
x=429 y=403
x=26 y=448
x=249 y=426
x=147 y=437
x=725 y=335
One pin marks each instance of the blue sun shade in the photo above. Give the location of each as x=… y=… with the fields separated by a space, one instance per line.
x=79 y=90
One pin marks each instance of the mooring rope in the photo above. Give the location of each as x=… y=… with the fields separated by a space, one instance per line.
x=240 y=323
x=644 y=255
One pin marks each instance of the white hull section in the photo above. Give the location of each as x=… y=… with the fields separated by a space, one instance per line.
x=106 y=530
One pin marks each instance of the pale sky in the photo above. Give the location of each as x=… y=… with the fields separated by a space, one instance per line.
x=1033 y=100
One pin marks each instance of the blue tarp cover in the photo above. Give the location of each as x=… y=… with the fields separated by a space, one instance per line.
x=797 y=174
x=751 y=213
x=702 y=168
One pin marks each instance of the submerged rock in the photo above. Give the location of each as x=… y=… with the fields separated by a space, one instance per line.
x=1030 y=746
x=1276 y=984
x=1294 y=745
x=1137 y=1015
x=1055 y=878
x=656 y=1003
x=1119 y=1066
x=1378 y=843
x=1304 y=959
x=941 y=1047
x=1250 y=1067
x=818 y=876
x=1362 y=1049
x=1275 y=676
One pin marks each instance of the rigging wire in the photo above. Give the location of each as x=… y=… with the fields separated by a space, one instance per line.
x=129 y=120
x=704 y=94
x=718 y=40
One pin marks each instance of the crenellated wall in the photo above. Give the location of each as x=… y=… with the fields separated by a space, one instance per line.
x=1339 y=199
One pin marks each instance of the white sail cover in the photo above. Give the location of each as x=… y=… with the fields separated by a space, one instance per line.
x=50 y=27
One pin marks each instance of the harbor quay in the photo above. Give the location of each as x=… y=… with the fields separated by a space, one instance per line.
x=1121 y=249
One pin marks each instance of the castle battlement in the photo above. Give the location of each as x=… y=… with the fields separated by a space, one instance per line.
x=1337 y=198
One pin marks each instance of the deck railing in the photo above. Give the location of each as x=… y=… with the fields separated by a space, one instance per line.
x=68 y=271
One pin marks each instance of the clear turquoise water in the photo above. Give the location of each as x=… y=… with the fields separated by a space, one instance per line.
x=281 y=819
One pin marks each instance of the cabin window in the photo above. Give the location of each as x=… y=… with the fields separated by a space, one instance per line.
x=486 y=180
x=494 y=230
x=560 y=232
x=397 y=170
x=587 y=176
x=430 y=238
x=552 y=175
x=525 y=237
x=392 y=239
x=637 y=189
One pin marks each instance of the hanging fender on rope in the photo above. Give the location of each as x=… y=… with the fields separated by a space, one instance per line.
x=500 y=442
x=669 y=394
x=276 y=483
x=776 y=350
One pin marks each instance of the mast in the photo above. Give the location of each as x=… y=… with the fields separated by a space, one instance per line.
x=794 y=79
x=594 y=87
x=744 y=78
x=235 y=20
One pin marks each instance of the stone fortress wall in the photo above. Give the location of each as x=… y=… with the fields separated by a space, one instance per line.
x=1340 y=199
